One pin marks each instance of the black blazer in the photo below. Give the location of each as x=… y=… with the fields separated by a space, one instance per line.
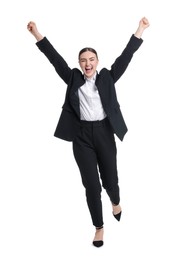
x=69 y=122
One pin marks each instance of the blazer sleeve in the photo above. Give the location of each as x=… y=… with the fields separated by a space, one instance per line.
x=55 y=59
x=122 y=62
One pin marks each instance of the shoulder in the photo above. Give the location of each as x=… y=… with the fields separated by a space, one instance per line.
x=104 y=72
x=104 y=77
x=77 y=72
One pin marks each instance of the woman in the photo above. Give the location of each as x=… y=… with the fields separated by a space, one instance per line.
x=90 y=117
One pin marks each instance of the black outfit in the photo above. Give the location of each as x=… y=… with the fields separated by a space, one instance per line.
x=93 y=142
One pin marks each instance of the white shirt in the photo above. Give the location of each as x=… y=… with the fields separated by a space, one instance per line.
x=91 y=108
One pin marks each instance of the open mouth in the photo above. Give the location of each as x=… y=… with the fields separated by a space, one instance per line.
x=88 y=70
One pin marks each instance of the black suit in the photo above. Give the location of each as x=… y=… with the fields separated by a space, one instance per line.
x=69 y=123
x=94 y=145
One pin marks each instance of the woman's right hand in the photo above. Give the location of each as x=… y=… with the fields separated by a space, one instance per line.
x=32 y=28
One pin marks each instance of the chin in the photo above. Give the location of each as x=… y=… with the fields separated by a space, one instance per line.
x=89 y=74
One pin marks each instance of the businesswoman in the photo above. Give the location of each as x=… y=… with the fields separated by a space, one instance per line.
x=90 y=118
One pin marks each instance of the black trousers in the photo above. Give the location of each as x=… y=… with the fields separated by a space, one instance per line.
x=95 y=153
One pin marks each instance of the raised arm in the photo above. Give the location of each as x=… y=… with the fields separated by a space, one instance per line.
x=122 y=62
x=32 y=28
x=143 y=24
x=49 y=51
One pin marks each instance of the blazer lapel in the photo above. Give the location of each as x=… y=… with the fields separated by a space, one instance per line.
x=74 y=99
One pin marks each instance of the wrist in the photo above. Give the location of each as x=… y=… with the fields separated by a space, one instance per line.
x=39 y=37
x=139 y=32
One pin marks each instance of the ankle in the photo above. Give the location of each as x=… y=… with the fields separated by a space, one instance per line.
x=98 y=228
x=116 y=208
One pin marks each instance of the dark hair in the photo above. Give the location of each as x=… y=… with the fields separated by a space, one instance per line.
x=87 y=49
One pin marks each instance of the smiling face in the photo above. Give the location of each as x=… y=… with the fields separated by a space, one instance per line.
x=88 y=61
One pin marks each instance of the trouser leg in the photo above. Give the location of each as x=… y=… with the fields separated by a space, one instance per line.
x=107 y=160
x=86 y=159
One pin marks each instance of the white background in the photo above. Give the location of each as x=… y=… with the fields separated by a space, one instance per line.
x=43 y=213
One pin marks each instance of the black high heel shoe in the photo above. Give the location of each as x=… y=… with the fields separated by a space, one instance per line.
x=98 y=243
x=117 y=216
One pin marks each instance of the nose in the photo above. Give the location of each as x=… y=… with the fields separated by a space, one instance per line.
x=87 y=62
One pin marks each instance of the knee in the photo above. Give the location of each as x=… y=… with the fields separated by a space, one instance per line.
x=93 y=189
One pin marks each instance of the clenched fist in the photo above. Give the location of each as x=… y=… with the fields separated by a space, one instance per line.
x=143 y=24
x=32 y=28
